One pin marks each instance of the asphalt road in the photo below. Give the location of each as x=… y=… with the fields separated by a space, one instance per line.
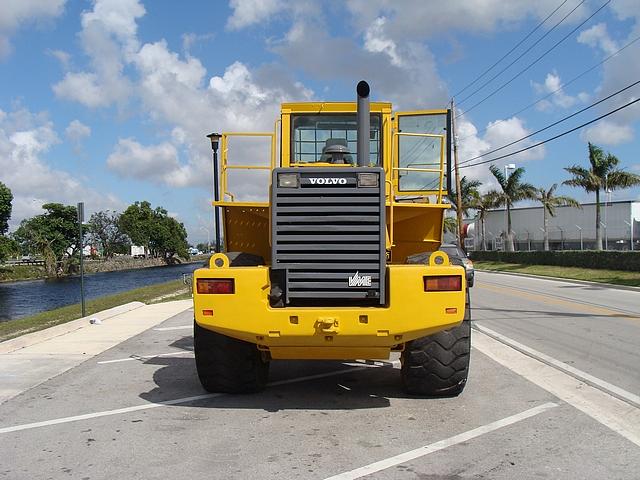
x=129 y=413
x=594 y=328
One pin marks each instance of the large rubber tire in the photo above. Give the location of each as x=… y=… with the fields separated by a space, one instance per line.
x=228 y=365
x=438 y=365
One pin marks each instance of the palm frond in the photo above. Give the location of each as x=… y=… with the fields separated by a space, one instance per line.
x=619 y=179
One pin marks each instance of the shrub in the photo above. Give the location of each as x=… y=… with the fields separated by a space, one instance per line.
x=610 y=260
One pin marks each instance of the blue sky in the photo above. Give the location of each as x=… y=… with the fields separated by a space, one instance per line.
x=108 y=101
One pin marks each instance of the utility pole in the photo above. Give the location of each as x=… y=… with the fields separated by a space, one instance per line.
x=455 y=162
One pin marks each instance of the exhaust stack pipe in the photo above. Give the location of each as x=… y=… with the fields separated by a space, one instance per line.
x=364 y=123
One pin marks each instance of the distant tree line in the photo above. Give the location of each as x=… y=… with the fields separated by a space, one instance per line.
x=54 y=234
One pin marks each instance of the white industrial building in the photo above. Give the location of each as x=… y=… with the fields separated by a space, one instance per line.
x=570 y=229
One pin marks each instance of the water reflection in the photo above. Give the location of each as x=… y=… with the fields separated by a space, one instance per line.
x=19 y=299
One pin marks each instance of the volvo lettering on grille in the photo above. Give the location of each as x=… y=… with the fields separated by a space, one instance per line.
x=327 y=181
x=357 y=280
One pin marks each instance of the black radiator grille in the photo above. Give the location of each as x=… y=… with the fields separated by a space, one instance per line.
x=326 y=234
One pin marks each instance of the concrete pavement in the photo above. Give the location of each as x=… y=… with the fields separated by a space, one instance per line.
x=137 y=410
x=594 y=328
x=29 y=360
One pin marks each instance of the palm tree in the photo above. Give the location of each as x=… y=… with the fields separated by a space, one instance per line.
x=450 y=224
x=549 y=203
x=468 y=192
x=468 y=198
x=602 y=174
x=512 y=191
x=482 y=205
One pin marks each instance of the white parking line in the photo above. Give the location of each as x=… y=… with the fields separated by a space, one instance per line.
x=618 y=415
x=166 y=329
x=140 y=357
x=177 y=401
x=442 y=444
x=574 y=372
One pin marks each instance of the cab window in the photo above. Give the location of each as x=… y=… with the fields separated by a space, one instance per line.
x=418 y=152
x=331 y=138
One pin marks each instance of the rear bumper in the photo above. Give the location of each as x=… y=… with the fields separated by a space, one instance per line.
x=332 y=332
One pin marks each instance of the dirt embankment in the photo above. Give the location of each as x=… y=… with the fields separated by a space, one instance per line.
x=12 y=273
x=128 y=263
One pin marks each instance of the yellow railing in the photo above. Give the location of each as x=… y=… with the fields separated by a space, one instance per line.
x=224 y=160
x=395 y=170
x=395 y=177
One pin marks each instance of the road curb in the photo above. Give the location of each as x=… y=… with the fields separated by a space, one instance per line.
x=33 y=338
x=561 y=279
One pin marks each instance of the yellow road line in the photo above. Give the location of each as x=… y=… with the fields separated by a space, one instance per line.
x=599 y=311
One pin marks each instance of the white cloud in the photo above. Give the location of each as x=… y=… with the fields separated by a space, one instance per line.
x=130 y=159
x=396 y=72
x=597 y=36
x=117 y=17
x=190 y=39
x=25 y=138
x=175 y=92
x=618 y=72
x=496 y=135
x=250 y=12
x=417 y=19
x=76 y=131
x=15 y=13
x=376 y=41
x=553 y=85
x=608 y=132
x=108 y=37
x=63 y=57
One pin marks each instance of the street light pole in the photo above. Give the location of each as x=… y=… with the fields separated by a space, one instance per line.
x=208 y=238
x=580 y=230
x=215 y=139
x=630 y=224
x=80 y=220
x=507 y=167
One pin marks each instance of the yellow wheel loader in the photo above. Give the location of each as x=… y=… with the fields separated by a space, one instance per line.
x=342 y=261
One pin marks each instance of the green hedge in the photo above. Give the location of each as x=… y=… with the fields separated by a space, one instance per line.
x=611 y=260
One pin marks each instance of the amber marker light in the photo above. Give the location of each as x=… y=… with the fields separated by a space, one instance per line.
x=217 y=286
x=443 y=283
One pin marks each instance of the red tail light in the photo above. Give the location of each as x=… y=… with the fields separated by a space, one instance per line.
x=445 y=283
x=215 y=285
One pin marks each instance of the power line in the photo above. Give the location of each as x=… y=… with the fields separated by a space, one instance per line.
x=515 y=47
x=535 y=61
x=555 y=137
x=566 y=84
x=554 y=123
x=523 y=53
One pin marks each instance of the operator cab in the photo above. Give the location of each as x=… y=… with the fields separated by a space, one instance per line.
x=331 y=139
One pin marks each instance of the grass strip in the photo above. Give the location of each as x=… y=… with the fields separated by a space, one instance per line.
x=616 y=277
x=169 y=291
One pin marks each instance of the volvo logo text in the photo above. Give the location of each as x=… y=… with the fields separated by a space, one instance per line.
x=327 y=181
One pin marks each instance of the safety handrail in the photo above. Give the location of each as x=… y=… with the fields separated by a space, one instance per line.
x=391 y=204
x=394 y=169
x=224 y=161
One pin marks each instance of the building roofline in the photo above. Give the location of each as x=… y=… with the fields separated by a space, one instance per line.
x=565 y=206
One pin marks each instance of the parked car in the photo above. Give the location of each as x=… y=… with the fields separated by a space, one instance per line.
x=458 y=257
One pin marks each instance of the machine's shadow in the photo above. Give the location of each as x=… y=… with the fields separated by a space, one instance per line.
x=310 y=385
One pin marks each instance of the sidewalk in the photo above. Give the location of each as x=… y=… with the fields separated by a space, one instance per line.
x=29 y=360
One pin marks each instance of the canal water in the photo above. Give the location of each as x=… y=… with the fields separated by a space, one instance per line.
x=20 y=299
